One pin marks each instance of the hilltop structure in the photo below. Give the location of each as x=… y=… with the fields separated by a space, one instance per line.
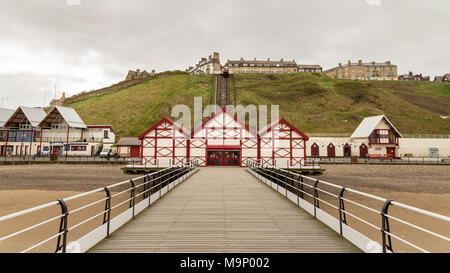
x=445 y=78
x=414 y=78
x=364 y=71
x=138 y=74
x=58 y=102
x=210 y=65
x=259 y=66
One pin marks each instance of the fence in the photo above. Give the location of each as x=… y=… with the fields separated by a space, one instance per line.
x=388 y=161
x=135 y=194
x=304 y=191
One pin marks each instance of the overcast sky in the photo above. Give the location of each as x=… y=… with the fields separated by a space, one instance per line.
x=92 y=44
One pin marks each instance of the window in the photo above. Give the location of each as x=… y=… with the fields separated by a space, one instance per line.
x=78 y=148
x=105 y=134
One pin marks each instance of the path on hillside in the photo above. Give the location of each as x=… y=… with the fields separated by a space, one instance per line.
x=224 y=210
x=223 y=92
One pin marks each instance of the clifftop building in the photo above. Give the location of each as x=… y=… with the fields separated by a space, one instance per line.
x=210 y=65
x=138 y=74
x=259 y=66
x=414 y=78
x=364 y=71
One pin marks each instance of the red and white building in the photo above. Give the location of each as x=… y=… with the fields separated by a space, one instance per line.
x=223 y=140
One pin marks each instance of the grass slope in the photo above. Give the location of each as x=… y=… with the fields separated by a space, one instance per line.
x=312 y=102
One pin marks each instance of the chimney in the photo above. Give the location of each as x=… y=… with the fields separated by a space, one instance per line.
x=340 y=64
x=138 y=70
x=388 y=62
x=410 y=73
x=242 y=59
x=255 y=59
x=360 y=62
x=281 y=60
x=268 y=59
x=349 y=62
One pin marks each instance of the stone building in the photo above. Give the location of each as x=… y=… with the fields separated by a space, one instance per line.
x=309 y=68
x=445 y=78
x=364 y=71
x=58 y=102
x=259 y=66
x=210 y=65
x=138 y=74
x=414 y=78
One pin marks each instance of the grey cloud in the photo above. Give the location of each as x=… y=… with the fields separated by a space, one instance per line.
x=111 y=36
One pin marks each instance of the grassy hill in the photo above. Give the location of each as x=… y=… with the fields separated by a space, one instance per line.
x=312 y=102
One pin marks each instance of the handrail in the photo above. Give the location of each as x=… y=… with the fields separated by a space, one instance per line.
x=161 y=178
x=273 y=174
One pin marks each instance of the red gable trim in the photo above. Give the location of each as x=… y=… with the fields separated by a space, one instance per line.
x=165 y=119
x=13 y=117
x=230 y=114
x=283 y=121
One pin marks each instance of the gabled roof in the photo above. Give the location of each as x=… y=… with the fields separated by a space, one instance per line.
x=230 y=114
x=33 y=115
x=369 y=124
x=438 y=78
x=168 y=120
x=5 y=114
x=128 y=141
x=269 y=127
x=69 y=115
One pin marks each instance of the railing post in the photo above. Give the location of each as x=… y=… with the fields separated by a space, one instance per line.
x=133 y=196
x=150 y=188
x=385 y=227
x=62 y=227
x=316 y=195
x=107 y=215
x=342 y=217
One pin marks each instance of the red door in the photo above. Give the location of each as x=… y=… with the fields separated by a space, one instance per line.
x=347 y=150
x=363 y=150
x=331 y=150
x=315 y=150
x=390 y=152
x=223 y=158
x=135 y=151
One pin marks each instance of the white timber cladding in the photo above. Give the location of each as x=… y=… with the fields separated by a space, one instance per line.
x=164 y=144
x=223 y=131
x=282 y=145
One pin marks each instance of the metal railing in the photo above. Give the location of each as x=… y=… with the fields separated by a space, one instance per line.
x=389 y=161
x=143 y=188
x=296 y=185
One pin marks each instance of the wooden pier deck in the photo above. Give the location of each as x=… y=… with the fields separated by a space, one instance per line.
x=223 y=209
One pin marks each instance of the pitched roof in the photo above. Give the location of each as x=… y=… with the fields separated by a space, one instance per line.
x=369 y=124
x=269 y=127
x=225 y=111
x=438 y=78
x=128 y=141
x=69 y=115
x=168 y=120
x=309 y=66
x=33 y=115
x=5 y=114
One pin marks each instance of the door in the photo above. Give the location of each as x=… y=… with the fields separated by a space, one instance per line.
x=135 y=151
x=331 y=152
x=223 y=158
x=347 y=150
x=390 y=152
x=315 y=150
x=363 y=150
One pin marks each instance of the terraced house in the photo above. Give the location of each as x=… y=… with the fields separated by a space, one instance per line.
x=364 y=71
x=258 y=66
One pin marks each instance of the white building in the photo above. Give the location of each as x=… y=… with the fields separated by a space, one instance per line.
x=30 y=131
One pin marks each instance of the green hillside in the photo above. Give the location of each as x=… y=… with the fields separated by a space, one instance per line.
x=312 y=102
